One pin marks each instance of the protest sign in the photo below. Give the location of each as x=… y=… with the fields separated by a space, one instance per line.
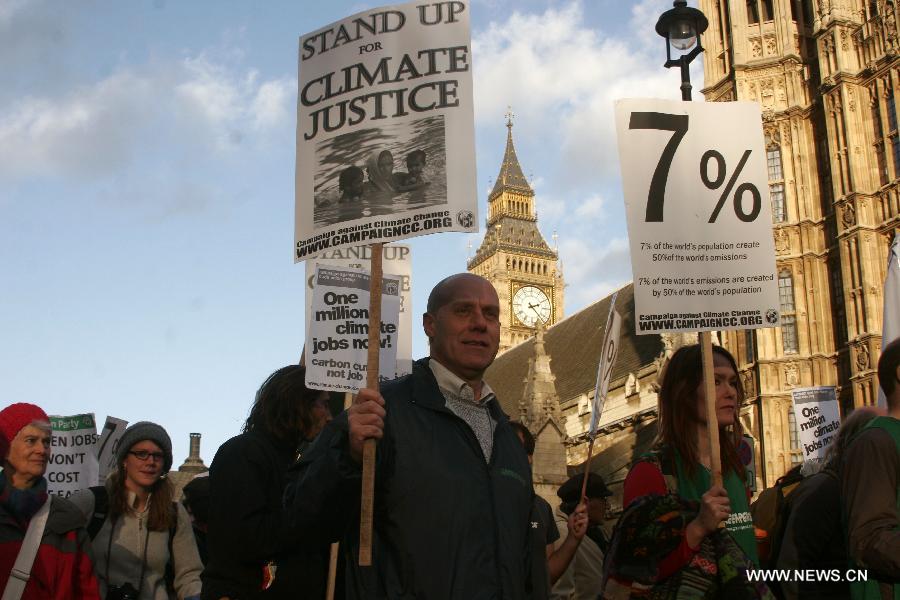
x=385 y=128
x=608 y=354
x=73 y=459
x=818 y=419
x=747 y=455
x=108 y=444
x=607 y=360
x=337 y=339
x=699 y=217
x=397 y=263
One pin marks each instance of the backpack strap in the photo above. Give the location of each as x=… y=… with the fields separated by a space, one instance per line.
x=101 y=510
x=21 y=569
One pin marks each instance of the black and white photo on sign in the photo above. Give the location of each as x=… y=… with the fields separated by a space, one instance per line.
x=384 y=170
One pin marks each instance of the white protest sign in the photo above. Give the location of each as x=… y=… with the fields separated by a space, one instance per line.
x=385 y=128
x=337 y=339
x=747 y=455
x=108 y=444
x=73 y=459
x=397 y=261
x=607 y=360
x=890 y=323
x=818 y=419
x=699 y=216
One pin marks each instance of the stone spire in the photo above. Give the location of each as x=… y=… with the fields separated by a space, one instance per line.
x=511 y=176
x=540 y=401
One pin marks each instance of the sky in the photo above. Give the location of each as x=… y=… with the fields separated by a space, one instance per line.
x=147 y=187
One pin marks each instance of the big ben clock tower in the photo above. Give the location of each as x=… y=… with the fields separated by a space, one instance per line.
x=515 y=258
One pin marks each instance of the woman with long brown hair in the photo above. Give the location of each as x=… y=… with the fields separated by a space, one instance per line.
x=253 y=553
x=671 y=525
x=142 y=539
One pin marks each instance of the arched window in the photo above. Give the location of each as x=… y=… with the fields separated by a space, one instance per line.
x=893 y=133
x=776 y=183
x=788 y=312
x=757 y=8
x=752 y=12
x=878 y=127
x=796 y=450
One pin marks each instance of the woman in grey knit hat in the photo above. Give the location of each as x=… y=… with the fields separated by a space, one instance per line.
x=143 y=542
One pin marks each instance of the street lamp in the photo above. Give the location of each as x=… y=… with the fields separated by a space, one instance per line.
x=682 y=26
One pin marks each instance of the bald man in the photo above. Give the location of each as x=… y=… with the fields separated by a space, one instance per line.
x=453 y=490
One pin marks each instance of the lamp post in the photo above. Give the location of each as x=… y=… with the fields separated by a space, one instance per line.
x=682 y=26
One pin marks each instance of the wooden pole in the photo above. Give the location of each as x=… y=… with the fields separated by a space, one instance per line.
x=587 y=469
x=335 y=547
x=332 y=570
x=368 y=470
x=712 y=422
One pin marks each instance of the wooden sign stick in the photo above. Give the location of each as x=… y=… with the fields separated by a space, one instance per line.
x=712 y=421
x=587 y=469
x=335 y=546
x=368 y=472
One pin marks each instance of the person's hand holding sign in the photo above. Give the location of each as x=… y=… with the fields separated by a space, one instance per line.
x=715 y=507
x=366 y=420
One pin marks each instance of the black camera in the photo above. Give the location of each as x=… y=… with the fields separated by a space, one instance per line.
x=125 y=591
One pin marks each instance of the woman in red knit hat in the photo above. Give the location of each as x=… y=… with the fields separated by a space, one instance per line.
x=61 y=568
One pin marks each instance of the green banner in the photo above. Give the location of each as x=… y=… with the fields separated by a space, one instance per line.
x=73 y=423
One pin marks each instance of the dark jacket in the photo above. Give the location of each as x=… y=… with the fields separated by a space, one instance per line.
x=871 y=494
x=447 y=524
x=814 y=536
x=63 y=568
x=248 y=528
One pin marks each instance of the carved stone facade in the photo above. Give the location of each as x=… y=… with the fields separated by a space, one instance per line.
x=825 y=74
x=628 y=420
x=516 y=259
x=539 y=411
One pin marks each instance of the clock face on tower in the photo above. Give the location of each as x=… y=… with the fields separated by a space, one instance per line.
x=530 y=304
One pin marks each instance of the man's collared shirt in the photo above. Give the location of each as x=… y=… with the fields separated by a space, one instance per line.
x=460 y=398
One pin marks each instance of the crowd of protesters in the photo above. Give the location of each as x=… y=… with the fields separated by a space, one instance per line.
x=455 y=511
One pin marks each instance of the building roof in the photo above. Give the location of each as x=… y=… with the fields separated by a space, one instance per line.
x=510 y=176
x=574 y=345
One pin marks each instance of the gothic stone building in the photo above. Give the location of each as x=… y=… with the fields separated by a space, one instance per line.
x=567 y=356
x=824 y=73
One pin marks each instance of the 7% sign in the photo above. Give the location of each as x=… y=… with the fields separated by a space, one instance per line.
x=700 y=234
